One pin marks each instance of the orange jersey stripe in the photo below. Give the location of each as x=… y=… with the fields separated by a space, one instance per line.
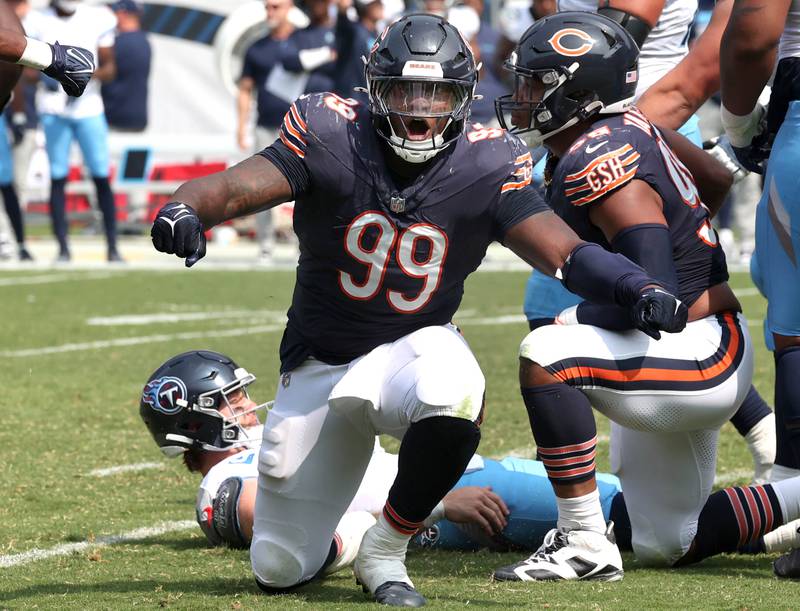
x=290 y=128
x=597 y=161
x=298 y=118
x=612 y=185
x=651 y=373
x=512 y=186
x=295 y=150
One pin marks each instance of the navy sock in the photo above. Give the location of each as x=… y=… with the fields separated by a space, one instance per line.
x=622 y=523
x=734 y=519
x=563 y=426
x=11 y=202
x=752 y=410
x=105 y=201
x=58 y=213
x=433 y=456
x=787 y=407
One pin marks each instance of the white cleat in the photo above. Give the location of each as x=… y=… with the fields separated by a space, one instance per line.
x=380 y=568
x=349 y=534
x=573 y=555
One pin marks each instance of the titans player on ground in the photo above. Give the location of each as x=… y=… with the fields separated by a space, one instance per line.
x=395 y=207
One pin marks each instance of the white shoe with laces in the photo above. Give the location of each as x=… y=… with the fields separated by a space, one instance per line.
x=572 y=555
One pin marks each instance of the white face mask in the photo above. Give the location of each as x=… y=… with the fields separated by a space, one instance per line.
x=66 y=6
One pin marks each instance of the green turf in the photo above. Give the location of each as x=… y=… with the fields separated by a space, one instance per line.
x=65 y=414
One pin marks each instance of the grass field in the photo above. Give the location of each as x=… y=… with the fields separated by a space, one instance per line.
x=76 y=350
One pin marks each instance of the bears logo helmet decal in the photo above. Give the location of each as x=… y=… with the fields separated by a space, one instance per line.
x=567 y=47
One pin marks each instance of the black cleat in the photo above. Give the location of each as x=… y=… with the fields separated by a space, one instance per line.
x=398 y=594
x=24 y=254
x=63 y=256
x=115 y=257
x=788 y=565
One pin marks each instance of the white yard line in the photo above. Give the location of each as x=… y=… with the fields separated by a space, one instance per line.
x=50 y=278
x=135 y=341
x=142 y=466
x=173 y=317
x=71 y=548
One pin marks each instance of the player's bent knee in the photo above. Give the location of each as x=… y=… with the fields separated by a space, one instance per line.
x=659 y=551
x=275 y=566
x=455 y=388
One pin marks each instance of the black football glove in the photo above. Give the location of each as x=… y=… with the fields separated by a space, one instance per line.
x=657 y=310
x=754 y=156
x=177 y=230
x=72 y=67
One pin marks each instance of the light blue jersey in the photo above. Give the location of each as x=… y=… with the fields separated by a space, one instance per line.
x=525 y=489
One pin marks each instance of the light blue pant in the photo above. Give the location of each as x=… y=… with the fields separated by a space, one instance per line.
x=775 y=265
x=546 y=297
x=6 y=162
x=92 y=136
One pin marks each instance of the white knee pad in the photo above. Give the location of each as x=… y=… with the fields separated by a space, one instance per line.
x=275 y=565
x=287 y=441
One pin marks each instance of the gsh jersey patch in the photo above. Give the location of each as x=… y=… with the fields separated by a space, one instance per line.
x=163 y=394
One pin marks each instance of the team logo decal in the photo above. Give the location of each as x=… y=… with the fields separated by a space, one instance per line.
x=163 y=394
x=564 y=42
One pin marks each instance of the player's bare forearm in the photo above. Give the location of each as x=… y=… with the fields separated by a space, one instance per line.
x=12 y=45
x=748 y=51
x=678 y=94
x=250 y=186
x=713 y=179
x=542 y=240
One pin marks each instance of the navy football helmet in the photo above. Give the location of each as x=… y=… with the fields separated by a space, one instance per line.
x=181 y=401
x=420 y=68
x=568 y=67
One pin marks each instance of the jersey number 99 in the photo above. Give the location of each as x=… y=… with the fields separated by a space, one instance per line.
x=405 y=246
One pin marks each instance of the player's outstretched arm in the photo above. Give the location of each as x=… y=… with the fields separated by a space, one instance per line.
x=677 y=95
x=597 y=275
x=253 y=185
x=748 y=51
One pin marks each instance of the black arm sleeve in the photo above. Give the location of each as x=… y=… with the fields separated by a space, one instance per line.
x=637 y=28
x=226 y=514
x=604 y=277
x=516 y=206
x=290 y=165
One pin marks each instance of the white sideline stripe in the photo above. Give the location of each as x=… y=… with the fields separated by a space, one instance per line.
x=142 y=466
x=748 y=292
x=135 y=341
x=49 y=278
x=172 y=317
x=723 y=479
x=494 y=320
x=71 y=548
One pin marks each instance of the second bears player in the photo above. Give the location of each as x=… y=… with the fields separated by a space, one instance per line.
x=617 y=181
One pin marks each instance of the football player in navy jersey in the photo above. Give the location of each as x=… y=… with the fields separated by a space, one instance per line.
x=616 y=179
x=396 y=204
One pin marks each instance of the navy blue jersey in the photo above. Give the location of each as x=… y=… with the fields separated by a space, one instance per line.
x=625 y=147
x=259 y=61
x=379 y=259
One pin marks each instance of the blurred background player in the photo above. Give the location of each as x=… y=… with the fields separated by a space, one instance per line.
x=125 y=97
x=261 y=59
x=64 y=119
x=759 y=34
x=354 y=39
